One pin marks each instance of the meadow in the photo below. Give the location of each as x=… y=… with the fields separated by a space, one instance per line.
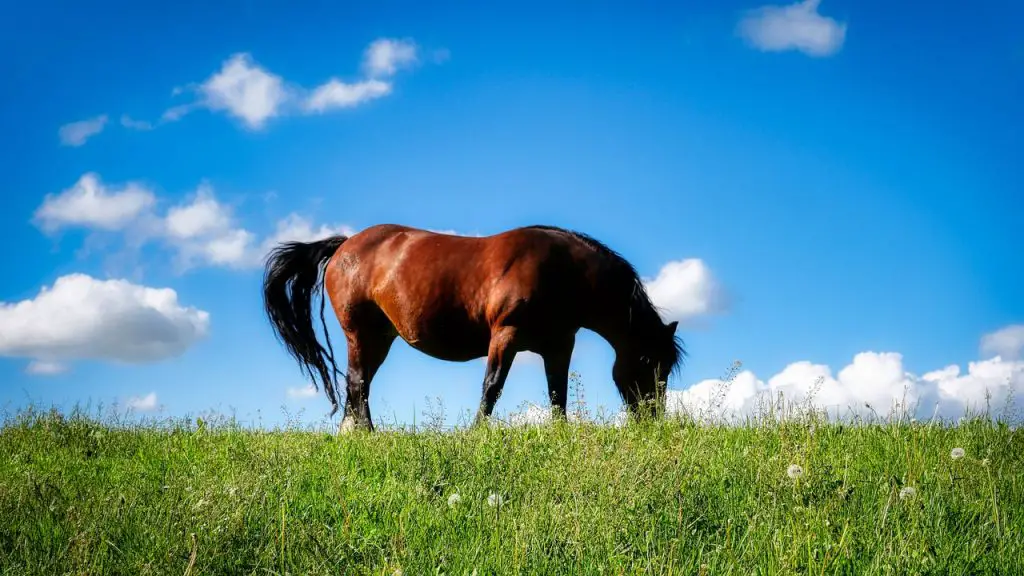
x=81 y=494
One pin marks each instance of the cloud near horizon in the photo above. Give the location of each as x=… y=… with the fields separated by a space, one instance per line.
x=874 y=384
x=1007 y=342
x=146 y=403
x=796 y=26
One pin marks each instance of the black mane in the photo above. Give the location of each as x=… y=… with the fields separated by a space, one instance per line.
x=640 y=304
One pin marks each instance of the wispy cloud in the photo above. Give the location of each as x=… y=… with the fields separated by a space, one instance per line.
x=132 y=124
x=45 y=368
x=337 y=94
x=796 y=26
x=77 y=133
x=246 y=90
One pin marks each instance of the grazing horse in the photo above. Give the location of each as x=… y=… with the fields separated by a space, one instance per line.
x=459 y=298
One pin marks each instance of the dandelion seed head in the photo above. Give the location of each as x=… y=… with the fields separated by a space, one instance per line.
x=957 y=453
x=794 y=471
x=454 y=499
x=495 y=499
x=907 y=492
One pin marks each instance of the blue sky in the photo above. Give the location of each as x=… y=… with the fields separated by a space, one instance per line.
x=830 y=179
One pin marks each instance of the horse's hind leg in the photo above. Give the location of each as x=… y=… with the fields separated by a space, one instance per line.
x=500 y=355
x=368 y=346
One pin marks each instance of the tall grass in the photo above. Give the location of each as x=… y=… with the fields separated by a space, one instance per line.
x=83 y=496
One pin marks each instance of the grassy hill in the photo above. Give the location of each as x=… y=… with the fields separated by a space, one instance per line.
x=78 y=496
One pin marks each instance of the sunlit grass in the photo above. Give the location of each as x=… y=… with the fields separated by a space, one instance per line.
x=84 y=496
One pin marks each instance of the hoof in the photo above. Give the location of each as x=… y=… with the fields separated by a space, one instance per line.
x=350 y=424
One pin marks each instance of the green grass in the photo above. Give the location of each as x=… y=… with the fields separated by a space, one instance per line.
x=81 y=497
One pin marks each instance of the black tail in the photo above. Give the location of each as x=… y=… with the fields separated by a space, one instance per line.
x=291 y=279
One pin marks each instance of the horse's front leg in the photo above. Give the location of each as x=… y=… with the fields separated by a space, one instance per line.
x=500 y=355
x=556 y=367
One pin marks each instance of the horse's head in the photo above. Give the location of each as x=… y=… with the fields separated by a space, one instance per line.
x=643 y=366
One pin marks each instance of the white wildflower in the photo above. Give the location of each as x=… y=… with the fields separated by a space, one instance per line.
x=495 y=499
x=454 y=499
x=794 y=471
x=907 y=492
x=957 y=453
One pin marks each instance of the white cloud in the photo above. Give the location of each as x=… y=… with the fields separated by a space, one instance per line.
x=684 y=289
x=200 y=217
x=307 y=391
x=796 y=26
x=337 y=94
x=1007 y=342
x=245 y=90
x=77 y=133
x=200 y=230
x=44 y=368
x=145 y=403
x=89 y=203
x=229 y=249
x=384 y=56
x=203 y=230
x=80 y=317
x=874 y=384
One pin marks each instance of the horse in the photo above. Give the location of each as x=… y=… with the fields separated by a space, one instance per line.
x=459 y=298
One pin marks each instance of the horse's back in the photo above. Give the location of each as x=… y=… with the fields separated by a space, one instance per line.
x=429 y=283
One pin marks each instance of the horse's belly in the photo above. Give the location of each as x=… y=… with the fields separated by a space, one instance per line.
x=454 y=340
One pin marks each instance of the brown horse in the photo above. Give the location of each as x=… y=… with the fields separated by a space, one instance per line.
x=459 y=298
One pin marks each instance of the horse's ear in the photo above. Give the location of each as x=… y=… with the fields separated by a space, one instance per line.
x=672 y=326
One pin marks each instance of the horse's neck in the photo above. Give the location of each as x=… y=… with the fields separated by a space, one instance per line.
x=619 y=330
